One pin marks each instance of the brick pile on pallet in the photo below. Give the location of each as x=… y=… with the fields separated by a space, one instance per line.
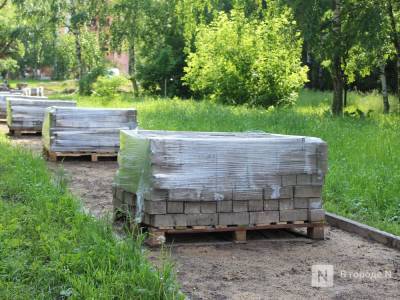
x=33 y=91
x=5 y=96
x=28 y=114
x=72 y=129
x=183 y=179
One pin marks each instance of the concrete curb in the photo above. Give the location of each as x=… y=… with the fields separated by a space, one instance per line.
x=365 y=231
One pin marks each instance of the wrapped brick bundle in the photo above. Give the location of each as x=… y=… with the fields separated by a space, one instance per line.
x=208 y=179
x=5 y=96
x=71 y=129
x=33 y=91
x=28 y=114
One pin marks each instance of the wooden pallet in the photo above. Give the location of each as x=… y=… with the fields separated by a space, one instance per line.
x=3 y=121
x=157 y=236
x=94 y=156
x=20 y=132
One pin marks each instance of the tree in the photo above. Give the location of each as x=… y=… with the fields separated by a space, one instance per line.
x=393 y=11
x=127 y=21
x=332 y=29
x=11 y=47
x=239 y=60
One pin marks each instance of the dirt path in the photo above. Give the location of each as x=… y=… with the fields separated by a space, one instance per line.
x=273 y=265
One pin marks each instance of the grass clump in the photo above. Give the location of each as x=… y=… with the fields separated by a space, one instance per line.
x=50 y=249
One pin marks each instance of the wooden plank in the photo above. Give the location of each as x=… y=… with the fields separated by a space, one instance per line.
x=240 y=236
x=363 y=230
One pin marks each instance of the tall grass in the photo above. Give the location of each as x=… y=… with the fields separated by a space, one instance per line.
x=50 y=249
x=363 y=182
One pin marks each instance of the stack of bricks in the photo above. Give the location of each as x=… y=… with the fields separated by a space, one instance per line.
x=299 y=200
x=284 y=198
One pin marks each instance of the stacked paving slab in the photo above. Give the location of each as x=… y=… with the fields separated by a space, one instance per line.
x=72 y=129
x=168 y=179
x=28 y=114
x=5 y=96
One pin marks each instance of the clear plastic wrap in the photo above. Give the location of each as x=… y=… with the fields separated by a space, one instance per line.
x=68 y=129
x=28 y=114
x=196 y=166
x=5 y=96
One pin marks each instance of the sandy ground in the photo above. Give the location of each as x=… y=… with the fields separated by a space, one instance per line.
x=272 y=265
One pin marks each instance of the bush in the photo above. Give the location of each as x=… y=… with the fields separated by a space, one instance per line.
x=107 y=86
x=87 y=80
x=239 y=61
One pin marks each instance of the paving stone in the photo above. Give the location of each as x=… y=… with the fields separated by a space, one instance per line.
x=192 y=207
x=155 y=207
x=293 y=215
x=278 y=192
x=304 y=179
x=271 y=204
x=240 y=206
x=208 y=207
x=315 y=203
x=301 y=202
x=256 y=205
x=316 y=215
x=286 y=204
x=241 y=218
x=265 y=217
x=224 y=206
x=175 y=207
x=307 y=191
x=288 y=180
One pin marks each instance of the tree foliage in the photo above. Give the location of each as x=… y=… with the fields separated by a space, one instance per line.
x=239 y=60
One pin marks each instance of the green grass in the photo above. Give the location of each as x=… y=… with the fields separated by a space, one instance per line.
x=363 y=182
x=50 y=249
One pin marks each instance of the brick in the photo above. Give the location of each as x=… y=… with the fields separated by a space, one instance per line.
x=293 y=215
x=271 y=204
x=234 y=218
x=304 y=179
x=322 y=157
x=277 y=192
x=197 y=195
x=175 y=207
x=224 y=206
x=114 y=190
x=168 y=220
x=192 y=207
x=156 y=195
x=129 y=198
x=155 y=207
x=119 y=194
x=202 y=219
x=317 y=180
x=307 y=191
x=256 y=205
x=286 y=204
x=316 y=215
x=240 y=206
x=301 y=202
x=208 y=207
x=254 y=194
x=315 y=203
x=288 y=180
x=265 y=217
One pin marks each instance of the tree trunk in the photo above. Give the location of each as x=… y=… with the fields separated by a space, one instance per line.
x=396 y=43
x=78 y=50
x=337 y=72
x=337 y=103
x=132 y=68
x=386 y=105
